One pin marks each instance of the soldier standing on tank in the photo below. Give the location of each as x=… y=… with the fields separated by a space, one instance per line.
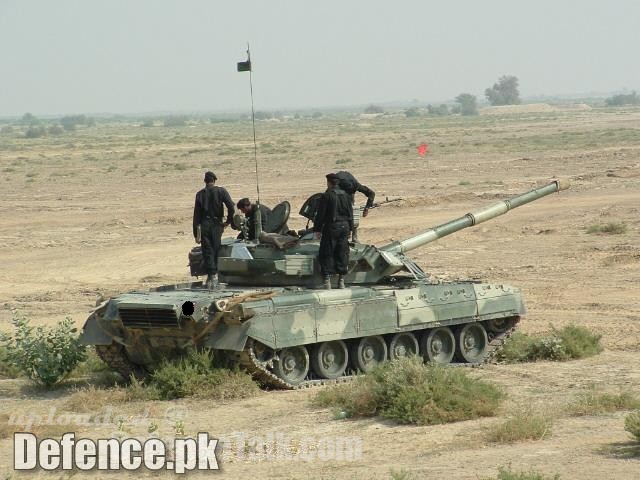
x=333 y=222
x=208 y=216
x=350 y=184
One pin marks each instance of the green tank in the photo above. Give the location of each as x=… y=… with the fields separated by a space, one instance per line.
x=270 y=316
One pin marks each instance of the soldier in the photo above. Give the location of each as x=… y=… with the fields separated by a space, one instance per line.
x=332 y=224
x=249 y=210
x=350 y=184
x=208 y=215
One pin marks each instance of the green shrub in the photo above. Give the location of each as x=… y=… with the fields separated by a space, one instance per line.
x=408 y=391
x=611 y=228
x=632 y=424
x=593 y=403
x=570 y=342
x=195 y=376
x=7 y=368
x=505 y=473
x=45 y=355
x=524 y=425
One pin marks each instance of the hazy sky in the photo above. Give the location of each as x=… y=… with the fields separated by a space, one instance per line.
x=90 y=56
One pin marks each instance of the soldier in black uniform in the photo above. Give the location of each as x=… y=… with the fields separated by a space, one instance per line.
x=249 y=210
x=208 y=214
x=350 y=184
x=332 y=224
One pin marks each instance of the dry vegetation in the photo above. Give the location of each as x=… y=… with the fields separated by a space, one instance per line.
x=107 y=208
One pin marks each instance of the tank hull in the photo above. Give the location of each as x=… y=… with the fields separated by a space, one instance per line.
x=314 y=332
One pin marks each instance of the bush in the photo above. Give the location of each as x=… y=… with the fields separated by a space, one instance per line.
x=55 y=130
x=524 y=425
x=505 y=473
x=7 y=368
x=593 y=403
x=632 y=424
x=611 y=228
x=35 y=132
x=45 y=355
x=175 y=121
x=571 y=342
x=195 y=376
x=374 y=109
x=408 y=391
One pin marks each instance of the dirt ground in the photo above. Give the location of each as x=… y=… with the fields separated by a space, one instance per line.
x=108 y=209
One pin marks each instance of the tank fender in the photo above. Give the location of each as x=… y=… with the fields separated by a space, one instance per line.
x=93 y=334
x=228 y=337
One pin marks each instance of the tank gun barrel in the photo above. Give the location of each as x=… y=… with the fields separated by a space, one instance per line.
x=474 y=218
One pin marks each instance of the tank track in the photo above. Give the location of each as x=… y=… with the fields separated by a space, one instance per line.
x=115 y=356
x=260 y=372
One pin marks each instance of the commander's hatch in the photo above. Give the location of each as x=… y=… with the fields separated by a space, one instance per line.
x=277 y=219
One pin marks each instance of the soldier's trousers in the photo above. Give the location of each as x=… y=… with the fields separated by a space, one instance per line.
x=210 y=243
x=334 y=249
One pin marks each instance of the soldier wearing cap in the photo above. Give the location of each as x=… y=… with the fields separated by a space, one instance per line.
x=208 y=215
x=332 y=224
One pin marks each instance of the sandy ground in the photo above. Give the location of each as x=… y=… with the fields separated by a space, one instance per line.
x=110 y=210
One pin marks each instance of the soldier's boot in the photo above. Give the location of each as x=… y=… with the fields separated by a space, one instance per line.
x=341 y=282
x=212 y=281
x=327 y=282
x=354 y=236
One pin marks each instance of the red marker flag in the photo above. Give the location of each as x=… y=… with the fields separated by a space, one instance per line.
x=422 y=149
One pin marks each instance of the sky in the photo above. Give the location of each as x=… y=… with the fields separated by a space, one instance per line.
x=137 y=56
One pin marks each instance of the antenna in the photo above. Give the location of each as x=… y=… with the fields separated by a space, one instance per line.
x=253 y=123
x=244 y=67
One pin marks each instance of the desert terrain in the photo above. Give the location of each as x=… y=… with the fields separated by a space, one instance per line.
x=108 y=209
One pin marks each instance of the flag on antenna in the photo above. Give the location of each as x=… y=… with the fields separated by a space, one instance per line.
x=422 y=149
x=244 y=66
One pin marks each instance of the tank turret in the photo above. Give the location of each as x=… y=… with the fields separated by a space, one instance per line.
x=279 y=260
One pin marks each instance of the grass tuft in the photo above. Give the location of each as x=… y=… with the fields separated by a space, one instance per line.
x=195 y=376
x=506 y=473
x=594 y=403
x=408 y=391
x=611 y=228
x=632 y=424
x=523 y=425
x=570 y=342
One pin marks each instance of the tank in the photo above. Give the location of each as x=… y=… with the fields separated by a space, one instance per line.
x=270 y=317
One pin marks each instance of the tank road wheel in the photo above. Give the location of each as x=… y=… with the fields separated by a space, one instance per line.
x=471 y=342
x=438 y=345
x=329 y=359
x=403 y=344
x=368 y=352
x=499 y=325
x=292 y=364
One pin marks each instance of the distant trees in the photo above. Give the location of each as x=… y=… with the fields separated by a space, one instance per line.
x=316 y=115
x=468 y=105
x=439 y=111
x=69 y=122
x=175 y=121
x=148 y=123
x=55 y=130
x=35 y=131
x=412 y=112
x=374 y=109
x=623 y=99
x=29 y=119
x=504 y=92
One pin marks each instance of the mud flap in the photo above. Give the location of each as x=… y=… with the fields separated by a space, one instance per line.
x=93 y=334
x=228 y=337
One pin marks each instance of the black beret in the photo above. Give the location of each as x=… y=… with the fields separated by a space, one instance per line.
x=333 y=177
x=210 y=177
x=243 y=202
